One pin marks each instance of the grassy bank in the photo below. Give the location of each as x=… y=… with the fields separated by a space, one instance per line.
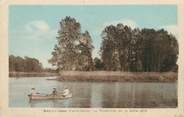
x=118 y=76
x=31 y=74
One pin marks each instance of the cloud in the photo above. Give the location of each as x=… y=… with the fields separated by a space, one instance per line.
x=38 y=25
x=35 y=30
x=127 y=22
x=36 y=38
x=95 y=53
x=171 y=29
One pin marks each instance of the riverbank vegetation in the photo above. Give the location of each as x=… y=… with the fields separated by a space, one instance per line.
x=26 y=64
x=132 y=54
x=122 y=49
x=28 y=67
x=138 y=50
x=73 y=50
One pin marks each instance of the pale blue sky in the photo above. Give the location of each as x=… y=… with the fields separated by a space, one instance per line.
x=33 y=29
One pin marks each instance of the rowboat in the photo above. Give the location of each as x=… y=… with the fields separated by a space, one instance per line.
x=51 y=79
x=49 y=97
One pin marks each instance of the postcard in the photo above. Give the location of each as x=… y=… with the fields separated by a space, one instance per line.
x=97 y=58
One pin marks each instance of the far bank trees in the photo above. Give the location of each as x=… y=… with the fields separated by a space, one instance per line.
x=26 y=64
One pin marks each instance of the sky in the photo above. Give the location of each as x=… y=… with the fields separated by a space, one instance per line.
x=33 y=28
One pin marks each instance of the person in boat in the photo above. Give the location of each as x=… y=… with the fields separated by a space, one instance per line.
x=66 y=92
x=33 y=92
x=54 y=92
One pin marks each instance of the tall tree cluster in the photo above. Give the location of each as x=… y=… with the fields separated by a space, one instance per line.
x=26 y=64
x=126 y=49
x=122 y=49
x=73 y=49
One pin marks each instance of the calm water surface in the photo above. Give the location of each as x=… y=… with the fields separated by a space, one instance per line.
x=94 y=94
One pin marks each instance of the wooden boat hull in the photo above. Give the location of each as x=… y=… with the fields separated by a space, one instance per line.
x=51 y=79
x=49 y=97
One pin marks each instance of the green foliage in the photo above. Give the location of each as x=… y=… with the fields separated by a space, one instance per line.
x=73 y=50
x=26 y=64
x=98 y=64
x=126 y=49
x=122 y=49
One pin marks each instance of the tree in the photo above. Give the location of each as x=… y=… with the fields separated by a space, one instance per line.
x=85 y=57
x=26 y=64
x=159 y=47
x=73 y=50
x=11 y=63
x=135 y=51
x=115 y=47
x=107 y=47
x=127 y=49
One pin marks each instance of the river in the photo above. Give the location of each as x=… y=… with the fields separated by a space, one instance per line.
x=94 y=94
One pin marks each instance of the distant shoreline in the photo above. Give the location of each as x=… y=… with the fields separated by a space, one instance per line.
x=32 y=74
x=103 y=76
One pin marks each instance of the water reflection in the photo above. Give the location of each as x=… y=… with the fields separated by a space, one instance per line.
x=94 y=94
